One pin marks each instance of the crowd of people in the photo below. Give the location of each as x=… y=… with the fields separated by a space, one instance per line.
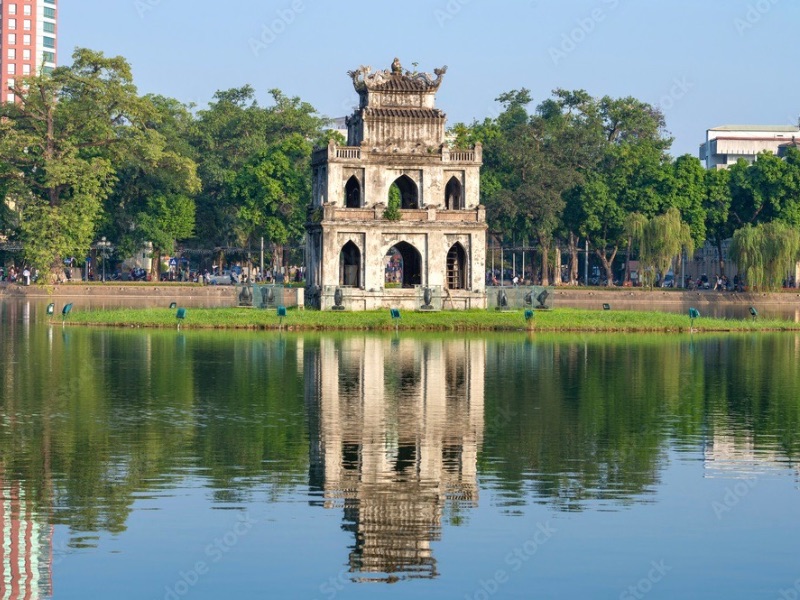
x=24 y=276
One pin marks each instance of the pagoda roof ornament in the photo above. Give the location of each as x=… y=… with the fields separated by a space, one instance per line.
x=395 y=79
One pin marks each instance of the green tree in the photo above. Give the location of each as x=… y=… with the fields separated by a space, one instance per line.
x=630 y=177
x=166 y=219
x=147 y=180
x=245 y=153
x=392 y=212
x=766 y=253
x=718 y=205
x=660 y=240
x=272 y=192
x=62 y=140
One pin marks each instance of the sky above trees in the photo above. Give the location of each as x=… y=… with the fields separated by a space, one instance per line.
x=702 y=63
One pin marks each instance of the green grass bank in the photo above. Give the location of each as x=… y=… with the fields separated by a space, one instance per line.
x=562 y=319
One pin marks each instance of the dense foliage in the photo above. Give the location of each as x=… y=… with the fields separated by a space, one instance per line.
x=82 y=155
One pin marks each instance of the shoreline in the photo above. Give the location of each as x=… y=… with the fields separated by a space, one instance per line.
x=565 y=296
x=565 y=320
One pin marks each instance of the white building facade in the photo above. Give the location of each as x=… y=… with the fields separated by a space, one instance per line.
x=727 y=144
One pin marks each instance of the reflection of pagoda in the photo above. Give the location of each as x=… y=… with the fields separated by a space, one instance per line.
x=399 y=425
x=26 y=552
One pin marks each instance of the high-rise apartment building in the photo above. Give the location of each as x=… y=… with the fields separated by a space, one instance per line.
x=28 y=41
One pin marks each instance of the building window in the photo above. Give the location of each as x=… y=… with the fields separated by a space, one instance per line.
x=12 y=23
x=49 y=13
x=26 y=10
x=350 y=265
x=453 y=197
x=11 y=82
x=456 y=268
x=26 y=54
x=26 y=24
x=407 y=189
x=12 y=69
x=12 y=9
x=26 y=69
x=49 y=27
x=352 y=193
x=49 y=57
x=47 y=70
x=9 y=97
x=49 y=42
x=26 y=39
x=12 y=54
x=12 y=38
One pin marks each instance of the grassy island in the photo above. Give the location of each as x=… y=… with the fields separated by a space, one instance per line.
x=563 y=319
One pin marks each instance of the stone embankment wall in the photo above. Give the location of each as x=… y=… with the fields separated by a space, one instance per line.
x=225 y=295
x=196 y=295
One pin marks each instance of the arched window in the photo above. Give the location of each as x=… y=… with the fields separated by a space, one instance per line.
x=350 y=265
x=409 y=197
x=453 y=196
x=407 y=269
x=352 y=193
x=456 y=268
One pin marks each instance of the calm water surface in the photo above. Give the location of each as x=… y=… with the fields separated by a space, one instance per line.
x=179 y=465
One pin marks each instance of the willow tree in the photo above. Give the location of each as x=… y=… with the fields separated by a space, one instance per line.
x=660 y=240
x=765 y=253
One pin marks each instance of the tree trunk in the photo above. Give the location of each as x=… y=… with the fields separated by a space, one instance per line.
x=627 y=279
x=557 y=265
x=277 y=258
x=607 y=262
x=545 y=261
x=573 y=258
x=721 y=260
x=155 y=265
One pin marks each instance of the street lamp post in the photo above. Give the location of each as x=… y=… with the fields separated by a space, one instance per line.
x=104 y=246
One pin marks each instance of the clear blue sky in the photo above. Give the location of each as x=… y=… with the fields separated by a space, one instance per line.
x=705 y=62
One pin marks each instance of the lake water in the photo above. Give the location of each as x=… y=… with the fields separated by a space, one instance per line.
x=170 y=465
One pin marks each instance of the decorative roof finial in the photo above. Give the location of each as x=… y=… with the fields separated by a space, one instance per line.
x=397 y=68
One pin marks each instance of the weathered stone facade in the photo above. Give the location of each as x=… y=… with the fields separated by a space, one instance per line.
x=396 y=136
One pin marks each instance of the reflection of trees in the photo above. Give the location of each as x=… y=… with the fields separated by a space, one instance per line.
x=752 y=409
x=396 y=427
x=93 y=419
x=108 y=415
x=580 y=418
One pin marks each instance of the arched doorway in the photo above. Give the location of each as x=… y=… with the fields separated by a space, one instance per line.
x=453 y=197
x=456 y=276
x=352 y=193
x=350 y=265
x=404 y=265
x=409 y=196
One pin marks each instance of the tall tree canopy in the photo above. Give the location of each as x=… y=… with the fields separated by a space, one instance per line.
x=61 y=141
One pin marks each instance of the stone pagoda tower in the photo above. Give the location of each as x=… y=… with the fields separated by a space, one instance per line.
x=430 y=251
